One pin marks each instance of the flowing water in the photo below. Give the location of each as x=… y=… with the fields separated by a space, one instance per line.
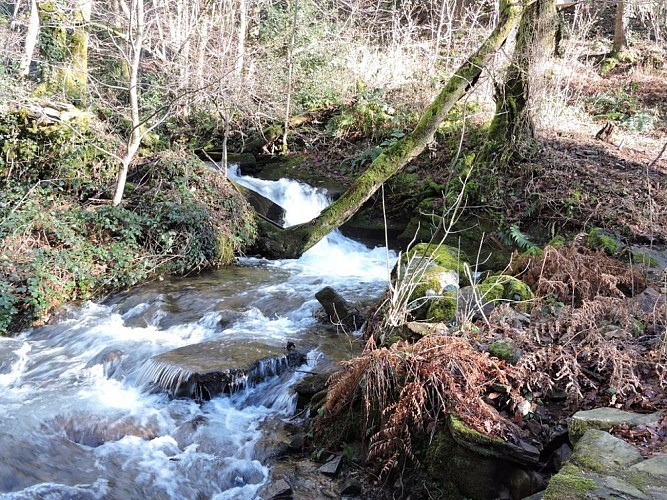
x=79 y=418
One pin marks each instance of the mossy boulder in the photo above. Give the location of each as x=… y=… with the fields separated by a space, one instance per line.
x=456 y=450
x=601 y=239
x=442 y=309
x=513 y=288
x=433 y=273
x=443 y=256
x=606 y=418
x=603 y=466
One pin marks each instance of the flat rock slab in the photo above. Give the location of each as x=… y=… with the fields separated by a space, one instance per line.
x=606 y=418
x=332 y=466
x=276 y=490
x=201 y=371
x=603 y=467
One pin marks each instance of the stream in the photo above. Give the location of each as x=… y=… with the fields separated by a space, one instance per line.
x=81 y=419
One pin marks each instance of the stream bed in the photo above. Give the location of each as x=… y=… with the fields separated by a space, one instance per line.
x=79 y=418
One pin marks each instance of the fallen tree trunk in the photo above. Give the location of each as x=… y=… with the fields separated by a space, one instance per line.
x=294 y=241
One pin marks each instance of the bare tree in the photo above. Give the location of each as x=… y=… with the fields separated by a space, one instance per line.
x=133 y=56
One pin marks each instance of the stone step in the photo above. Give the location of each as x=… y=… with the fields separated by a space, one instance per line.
x=202 y=371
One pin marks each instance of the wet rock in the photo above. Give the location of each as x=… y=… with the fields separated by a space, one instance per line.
x=201 y=371
x=309 y=386
x=297 y=443
x=351 y=488
x=110 y=359
x=276 y=490
x=338 y=310
x=606 y=418
x=332 y=467
x=264 y=207
x=93 y=430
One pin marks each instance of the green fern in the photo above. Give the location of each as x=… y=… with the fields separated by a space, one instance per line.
x=514 y=236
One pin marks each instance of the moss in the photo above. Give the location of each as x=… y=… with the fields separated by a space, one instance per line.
x=569 y=484
x=442 y=309
x=557 y=242
x=641 y=258
x=463 y=432
x=490 y=292
x=601 y=239
x=512 y=288
x=441 y=255
x=503 y=349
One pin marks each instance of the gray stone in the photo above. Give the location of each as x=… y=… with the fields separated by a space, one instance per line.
x=605 y=419
x=332 y=466
x=276 y=490
x=201 y=371
x=601 y=452
x=655 y=467
x=338 y=310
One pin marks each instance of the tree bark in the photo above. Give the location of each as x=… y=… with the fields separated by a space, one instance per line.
x=134 y=141
x=513 y=124
x=293 y=242
x=30 y=39
x=64 y=47
x=620 y=42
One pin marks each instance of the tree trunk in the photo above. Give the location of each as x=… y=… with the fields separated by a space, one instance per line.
x=136 y=34
x=620 y=42
x=240 y=42
x=64 y=47
x=30 y=39
x=293 y=242
x=513 y=126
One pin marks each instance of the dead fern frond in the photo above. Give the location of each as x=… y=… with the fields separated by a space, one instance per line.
x=407 y=385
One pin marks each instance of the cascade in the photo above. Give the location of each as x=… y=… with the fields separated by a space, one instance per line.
x=87 y=407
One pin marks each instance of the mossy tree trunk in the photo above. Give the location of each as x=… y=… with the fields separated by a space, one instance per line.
x=63 y=46
x=512 y=130
x=293 y=242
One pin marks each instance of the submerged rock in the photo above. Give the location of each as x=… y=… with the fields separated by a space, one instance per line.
x=201 y=371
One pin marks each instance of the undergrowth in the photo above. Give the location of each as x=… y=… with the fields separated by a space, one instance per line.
x=585 y=338
x=63 y=241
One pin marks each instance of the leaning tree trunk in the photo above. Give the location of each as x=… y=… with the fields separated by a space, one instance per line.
x=512 y=131
x=293 y=242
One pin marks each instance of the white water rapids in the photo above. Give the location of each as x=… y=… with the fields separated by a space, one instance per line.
x=78 y=421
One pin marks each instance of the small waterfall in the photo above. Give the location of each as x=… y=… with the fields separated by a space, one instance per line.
x=87 y=406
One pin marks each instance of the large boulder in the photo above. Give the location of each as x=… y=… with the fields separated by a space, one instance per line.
x=501 y=469
x=431 y=275
x=603 y=466
x=605 y=418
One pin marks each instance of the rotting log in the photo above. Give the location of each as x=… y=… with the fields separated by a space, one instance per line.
x=294 y=241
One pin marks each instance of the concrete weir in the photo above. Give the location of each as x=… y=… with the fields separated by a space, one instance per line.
x=201 y=371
